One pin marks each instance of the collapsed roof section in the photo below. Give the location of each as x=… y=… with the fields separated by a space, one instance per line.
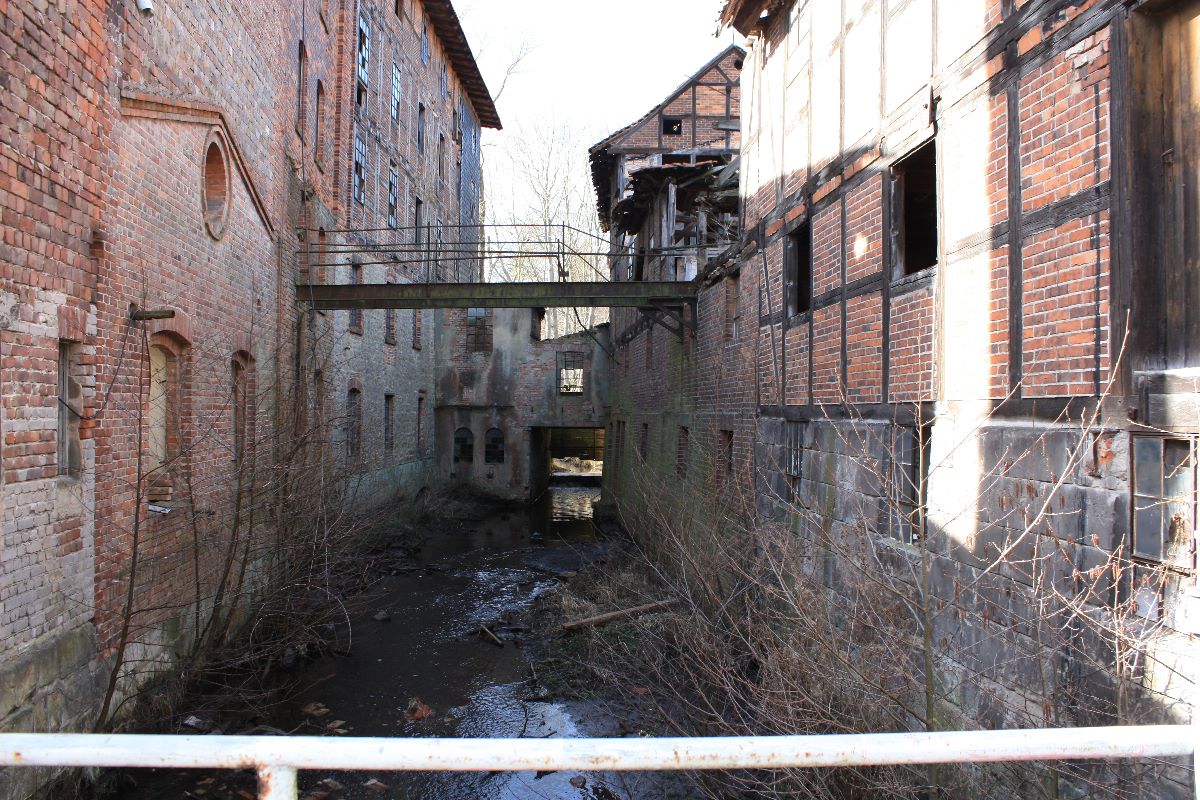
x=744 y=16
x=715 y=177
x=449 y=31
x=700 y=118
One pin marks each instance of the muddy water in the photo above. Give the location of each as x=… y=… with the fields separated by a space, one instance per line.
x=420 y=667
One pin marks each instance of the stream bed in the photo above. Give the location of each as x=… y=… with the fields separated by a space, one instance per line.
x=420 y=666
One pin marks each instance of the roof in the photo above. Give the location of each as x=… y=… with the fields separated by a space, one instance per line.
x=449 y=31
x=743 y=15
x=601 y=156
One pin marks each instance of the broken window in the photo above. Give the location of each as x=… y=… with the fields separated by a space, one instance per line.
x=908 y=482
x=797 y=286
x=389 y=422
x=464 y=446
x=1164 y=500
x=396 y=92
x=672 y=126
x=570 y=373
x=360 y=170
x=353 y=424
x=479 y=330
x=681 y=452
x=70 y=412
x=493 y=446
x=915 y=211
x=363 y=63
x=393 y=198
x=421 y=128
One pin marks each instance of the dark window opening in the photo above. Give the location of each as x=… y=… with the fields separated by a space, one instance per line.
x=360 y=170
x=356 y=314
x=672 y=126
x=301 y=89
x=420 y=423
x=727 y=451
x=425 y=41
x=318 y=131
x=732 y=309
x=570 y=373
x=70 y=412
x=908 y=483
x=915 y=211
x=418 y=219
x=353 y=424
x=421 y=128
x=393 y=198
x=389 y=422
x=798 y=275
x=479 y=330
x=493 y=446
x=464 y=446
x=793 y=460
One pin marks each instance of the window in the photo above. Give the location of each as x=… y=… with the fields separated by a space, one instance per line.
x=570 y=373
x=418 y=219
x=353 y=424
x=301 y=89
x=162 y=421
x=458 y=180
x=239 y=405
x=793 y=459
x=464 y=446
x=356 y=314
x=907 y=484
x=318 y=131
x=396 y=87
x=360 y=170
x=681 y=453
x=416 y=329
x=493 y=446
x=425 y=41
x=797 y=286
x=441 y=155
x=70 y=412
x=672 y=126
x=1164 y=500
x=644 y=441
x=421 y=128
x=445 y=83
x=216 y=188
x=389 y=326
x=915 y=212
x=420 y=422
x=389 y=422
x=732 y=309
x=479 y=330
x=364 y=63
x=392 y=201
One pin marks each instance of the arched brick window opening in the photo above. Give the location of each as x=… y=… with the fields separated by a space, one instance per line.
x=464 y=446
x=318 y=130
x=301 y=89
x=163 y=429
x=353 y=424
x=216 y=187
x=493 y=446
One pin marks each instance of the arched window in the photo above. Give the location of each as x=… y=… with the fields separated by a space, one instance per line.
x=239 y=403
x=353 y=424
x=464 y=446
x=216 y=187
x=493 y=446
x=318 y=131
x=161 y=408
x=301 y=89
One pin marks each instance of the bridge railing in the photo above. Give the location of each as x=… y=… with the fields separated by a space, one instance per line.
x=279 y=759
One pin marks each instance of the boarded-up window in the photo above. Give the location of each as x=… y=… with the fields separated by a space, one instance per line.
x=493 y=446
x=570 y=372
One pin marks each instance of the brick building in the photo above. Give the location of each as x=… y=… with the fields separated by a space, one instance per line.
x=507 y=399
x=954 y=319
x=168 y=174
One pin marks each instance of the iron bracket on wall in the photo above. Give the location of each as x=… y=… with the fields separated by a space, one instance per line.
x=674 y=321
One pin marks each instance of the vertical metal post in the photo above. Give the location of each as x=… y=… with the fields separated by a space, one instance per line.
x=277 y=783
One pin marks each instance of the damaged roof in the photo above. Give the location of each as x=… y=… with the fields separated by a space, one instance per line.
x=644 y=184
x=744 y=15
x=449 y=31
x=601 y=154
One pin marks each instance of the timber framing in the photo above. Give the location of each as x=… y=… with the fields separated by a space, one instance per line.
x=645 y=294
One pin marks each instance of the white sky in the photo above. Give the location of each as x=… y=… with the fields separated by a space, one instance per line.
x=595 y=66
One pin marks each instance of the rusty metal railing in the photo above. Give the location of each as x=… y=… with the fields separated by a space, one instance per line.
x=278 y=759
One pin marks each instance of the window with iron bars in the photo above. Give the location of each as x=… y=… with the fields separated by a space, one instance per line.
x=570 y=373
x=908 y=479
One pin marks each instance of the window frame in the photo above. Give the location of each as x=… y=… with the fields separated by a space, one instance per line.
x=493 y=446
x=571 y=361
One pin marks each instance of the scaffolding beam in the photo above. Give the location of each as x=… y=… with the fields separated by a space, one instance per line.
x=576 y=294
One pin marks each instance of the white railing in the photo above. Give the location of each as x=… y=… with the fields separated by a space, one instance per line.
x=278 y=759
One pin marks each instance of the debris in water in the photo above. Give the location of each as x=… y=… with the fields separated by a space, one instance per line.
x=489 y=636
x=375 y=786
x=417 y=710
x=315 y=709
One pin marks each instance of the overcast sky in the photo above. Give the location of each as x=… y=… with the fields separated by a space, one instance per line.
x=594 y=66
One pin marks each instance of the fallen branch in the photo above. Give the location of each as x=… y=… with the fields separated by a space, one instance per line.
x=603 y=619
x=484 y=629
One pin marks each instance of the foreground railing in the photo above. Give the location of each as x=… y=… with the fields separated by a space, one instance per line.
x=278 y=758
